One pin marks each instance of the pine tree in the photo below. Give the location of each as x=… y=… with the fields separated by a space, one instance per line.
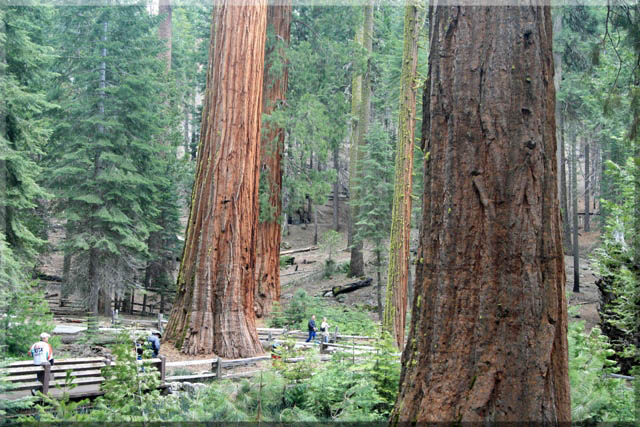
x=25 y=60
x=374 y=205
x=105 y=164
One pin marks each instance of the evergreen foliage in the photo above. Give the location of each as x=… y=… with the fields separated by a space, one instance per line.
x=25 y=125
x=112 y=161
x=24 y=312
x=620 y=283
x=594 y=396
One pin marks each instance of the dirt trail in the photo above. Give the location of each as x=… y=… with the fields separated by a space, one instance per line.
x=308 y=274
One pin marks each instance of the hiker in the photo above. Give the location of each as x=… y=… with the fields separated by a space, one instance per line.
x=324 y=328
x=42 y=350
x=139 y=343
x=312 y=328
x=154 y=340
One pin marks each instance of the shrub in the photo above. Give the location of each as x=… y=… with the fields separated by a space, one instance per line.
x=594 y=396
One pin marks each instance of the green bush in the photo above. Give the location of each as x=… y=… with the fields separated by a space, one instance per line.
x=616 y=260
x=286 y=260
x=344 y=267
x=594 y=396
x=329 y=268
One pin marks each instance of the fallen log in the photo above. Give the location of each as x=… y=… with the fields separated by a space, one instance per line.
x=295 y=251
x=349 y=287
x=48 y=277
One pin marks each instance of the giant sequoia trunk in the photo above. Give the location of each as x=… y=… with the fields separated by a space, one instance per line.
x=395 y=309
x=214 y=310
x=274 y=92
x=488 y=336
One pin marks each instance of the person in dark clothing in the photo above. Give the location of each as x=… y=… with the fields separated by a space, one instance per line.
x=154 y=340
x=312 y=328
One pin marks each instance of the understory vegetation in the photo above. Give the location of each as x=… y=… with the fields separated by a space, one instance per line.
x=346 y=388
x=302 y=306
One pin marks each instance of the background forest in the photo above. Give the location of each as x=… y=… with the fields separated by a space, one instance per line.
x=100 y=120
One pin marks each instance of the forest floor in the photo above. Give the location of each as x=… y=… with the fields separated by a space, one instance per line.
x=308 y=274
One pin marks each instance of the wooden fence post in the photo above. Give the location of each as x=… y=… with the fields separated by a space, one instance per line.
x=160 y=322
x=335 y=336
x=219 y=369
x=163 y=368
x=353 y=343
x=46 y=377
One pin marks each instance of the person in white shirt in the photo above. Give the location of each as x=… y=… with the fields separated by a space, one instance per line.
x=42 y=350
x=324 y=328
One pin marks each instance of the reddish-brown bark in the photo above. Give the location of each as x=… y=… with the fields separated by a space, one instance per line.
x=395 y=309
x=214 y=309
x=274 y=94
x=488 y=337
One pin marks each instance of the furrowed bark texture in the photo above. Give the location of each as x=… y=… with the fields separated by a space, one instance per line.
x=274 y=93
x=395 y=309
x=489 y=341
x=214 y=309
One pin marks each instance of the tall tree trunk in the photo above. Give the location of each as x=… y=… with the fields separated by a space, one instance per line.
x=356 y=100
x=274 y=93
x=336 y=189
x=379 y=287
x=92 y=278
x=489 y=342
x=357 y=259
x=158 y=266
x=214 y=310
x=65 y=286
x=557 y=13
x=564 y=207
x=315 y=225
x=395 y=309
x=4 y=208
x=164 y=31
x=587 y=186
x=96 y=294
x=574 y=201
